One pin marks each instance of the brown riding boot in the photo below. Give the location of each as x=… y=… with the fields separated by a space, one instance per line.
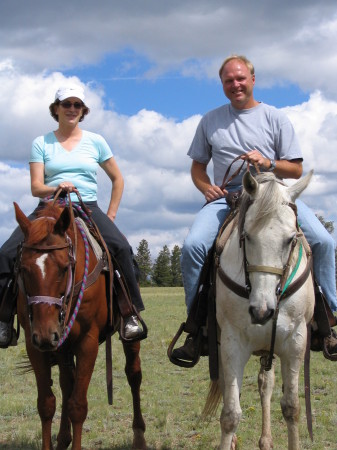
x=8 y=335
x=191 y=348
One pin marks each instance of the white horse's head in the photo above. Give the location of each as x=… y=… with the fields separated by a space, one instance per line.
x=268 y=226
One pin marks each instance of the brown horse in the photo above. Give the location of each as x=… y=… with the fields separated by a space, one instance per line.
x=64 y=327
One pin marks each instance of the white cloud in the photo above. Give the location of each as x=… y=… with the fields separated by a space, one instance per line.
x=288 y=41
x=160 y=200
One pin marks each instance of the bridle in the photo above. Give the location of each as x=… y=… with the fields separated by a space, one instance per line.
x=282 y=271
x=285 y=287
x=62 y=301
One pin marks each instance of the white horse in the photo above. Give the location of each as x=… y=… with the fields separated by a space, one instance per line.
x=264 y=255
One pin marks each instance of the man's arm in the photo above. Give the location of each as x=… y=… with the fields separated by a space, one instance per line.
x=283 y=169
x=203 y=182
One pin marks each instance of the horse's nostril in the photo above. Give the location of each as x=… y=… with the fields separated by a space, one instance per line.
x=34 y=339
x=259 y=316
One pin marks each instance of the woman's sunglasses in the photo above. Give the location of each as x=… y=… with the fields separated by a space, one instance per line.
x=67 y=105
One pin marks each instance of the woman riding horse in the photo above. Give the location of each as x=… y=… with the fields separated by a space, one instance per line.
x=68 y=159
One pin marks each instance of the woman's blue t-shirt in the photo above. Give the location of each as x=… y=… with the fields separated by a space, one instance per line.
x=79 y=165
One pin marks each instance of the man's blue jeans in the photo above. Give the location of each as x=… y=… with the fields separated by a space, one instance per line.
x=205 y=229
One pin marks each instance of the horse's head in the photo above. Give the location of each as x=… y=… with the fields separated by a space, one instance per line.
x=268 y=229
x=45 y=268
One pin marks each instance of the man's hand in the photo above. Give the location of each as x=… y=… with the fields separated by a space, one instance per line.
x=213 y=193
x=255 y=158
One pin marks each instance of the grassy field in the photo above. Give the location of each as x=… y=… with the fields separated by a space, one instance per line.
x=172 y=397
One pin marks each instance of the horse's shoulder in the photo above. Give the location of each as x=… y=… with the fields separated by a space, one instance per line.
x=225 y=232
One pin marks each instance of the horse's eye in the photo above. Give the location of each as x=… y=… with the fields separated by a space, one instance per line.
x=290 y=239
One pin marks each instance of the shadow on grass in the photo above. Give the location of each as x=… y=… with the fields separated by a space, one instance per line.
x=22 y=445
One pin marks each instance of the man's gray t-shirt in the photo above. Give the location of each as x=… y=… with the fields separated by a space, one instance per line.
x=225 y=133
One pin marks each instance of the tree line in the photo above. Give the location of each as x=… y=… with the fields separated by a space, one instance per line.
x=165 y=271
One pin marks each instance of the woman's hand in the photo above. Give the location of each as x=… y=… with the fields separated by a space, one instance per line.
x=67 y=186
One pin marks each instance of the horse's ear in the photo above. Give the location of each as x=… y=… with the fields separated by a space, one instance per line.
x=63 y=222
x=295 y=190
x=22 y=220
x=250 y=185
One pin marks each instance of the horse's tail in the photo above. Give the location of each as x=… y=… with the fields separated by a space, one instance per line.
x=212 y=401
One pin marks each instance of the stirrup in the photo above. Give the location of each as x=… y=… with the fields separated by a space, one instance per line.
x=140 y=336
x=326 y=353
x=181 y=362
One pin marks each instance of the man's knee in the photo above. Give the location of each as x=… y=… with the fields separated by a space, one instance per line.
x=324 y=243
x=192 y=250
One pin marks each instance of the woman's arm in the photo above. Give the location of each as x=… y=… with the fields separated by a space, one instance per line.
x=112 y=170
x=38 y=186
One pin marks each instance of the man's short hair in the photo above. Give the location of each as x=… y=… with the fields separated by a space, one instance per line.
x=242 y=58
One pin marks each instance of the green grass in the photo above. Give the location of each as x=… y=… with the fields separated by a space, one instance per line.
x=172 y=397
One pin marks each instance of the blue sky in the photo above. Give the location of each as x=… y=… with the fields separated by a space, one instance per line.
x=150 y=71
x=171 y=94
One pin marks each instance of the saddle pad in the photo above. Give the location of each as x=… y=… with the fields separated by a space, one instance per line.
x=93 y=242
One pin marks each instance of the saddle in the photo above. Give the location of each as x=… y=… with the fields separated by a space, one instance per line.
x=119 y=294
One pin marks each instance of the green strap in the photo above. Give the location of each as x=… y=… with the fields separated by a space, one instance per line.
x=289 y=280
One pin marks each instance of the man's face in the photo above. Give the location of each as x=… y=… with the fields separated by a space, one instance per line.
x=238 y=84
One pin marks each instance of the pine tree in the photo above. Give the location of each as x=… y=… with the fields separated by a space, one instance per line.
x=162 y=268
x=143 y=259
x=175 y=267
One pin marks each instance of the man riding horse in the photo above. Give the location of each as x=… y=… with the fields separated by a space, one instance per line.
x=263 y=136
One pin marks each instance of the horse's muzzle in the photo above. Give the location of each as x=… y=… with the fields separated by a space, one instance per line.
x=260 y=316
x=46 y=344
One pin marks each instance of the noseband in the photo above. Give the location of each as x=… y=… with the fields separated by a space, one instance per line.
x=282 y=271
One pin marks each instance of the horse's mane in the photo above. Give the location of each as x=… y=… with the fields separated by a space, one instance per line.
x=267 y=201
x=42 y=226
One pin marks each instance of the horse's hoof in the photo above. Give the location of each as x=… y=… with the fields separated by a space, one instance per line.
x=234 y=442
x=139 y=442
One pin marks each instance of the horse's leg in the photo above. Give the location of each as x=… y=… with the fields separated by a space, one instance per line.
x=266 y=381
x=46 y=402
x=291 y=363
x=134 y=375
x=233 y=360
x=67 y=377
x=86 y=355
